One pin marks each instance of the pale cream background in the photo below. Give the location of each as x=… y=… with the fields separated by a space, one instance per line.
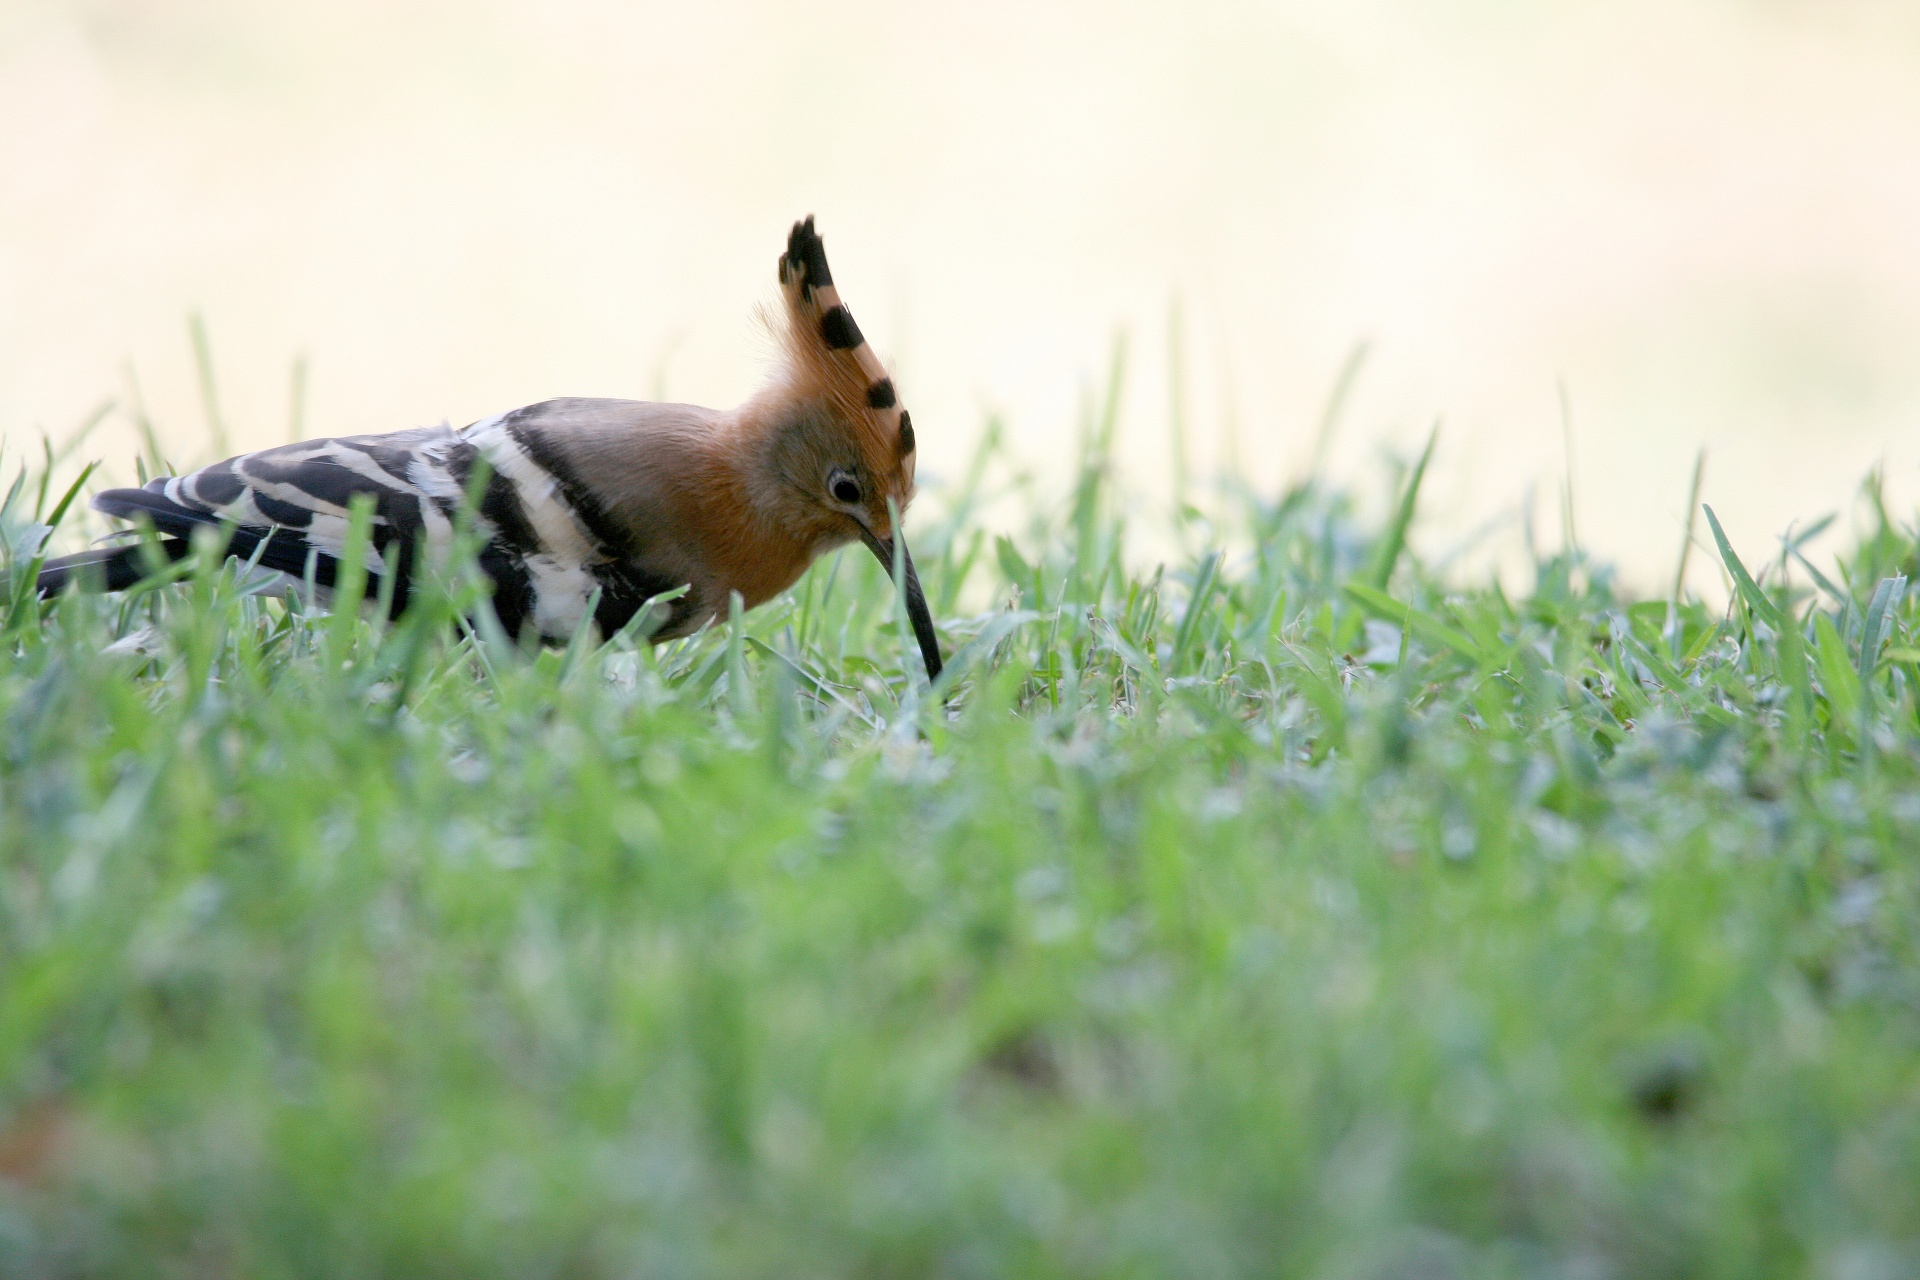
x=1702 y=215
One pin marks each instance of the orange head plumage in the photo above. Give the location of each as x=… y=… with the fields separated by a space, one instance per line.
x=841 y=443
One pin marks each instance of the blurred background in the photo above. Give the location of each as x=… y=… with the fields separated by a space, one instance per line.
x=1700 y=218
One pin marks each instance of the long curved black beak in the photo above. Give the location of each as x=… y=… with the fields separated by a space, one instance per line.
x=916 y=599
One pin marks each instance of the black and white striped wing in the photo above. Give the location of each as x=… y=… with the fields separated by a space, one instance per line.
x=544 y=560
x=294 y=499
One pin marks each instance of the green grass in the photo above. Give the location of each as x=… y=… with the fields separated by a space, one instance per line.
x=1284 y=912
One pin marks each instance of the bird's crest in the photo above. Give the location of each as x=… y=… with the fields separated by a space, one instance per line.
x=830 y=358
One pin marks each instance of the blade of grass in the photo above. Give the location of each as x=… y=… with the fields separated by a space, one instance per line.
x=1749 y=590
x=72 y=443
x=821 y=688
x=739 y=691
x=349 y=582
x=297 y=400
x=1790 y=646
x=1417 y=621
x=1335 y=409
x=1204 y=581
x=209 y=396
x=1572 y=529
x=1678 y=593
x=1395 y=539
x=1879 y=622
x=580 y=643
x=1837 y=676
x=1177 y=407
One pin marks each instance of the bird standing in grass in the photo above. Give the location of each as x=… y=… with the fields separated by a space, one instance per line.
x=620 y=497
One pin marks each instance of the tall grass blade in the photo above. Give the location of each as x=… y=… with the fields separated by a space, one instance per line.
x=1395 y=539
x=1335 y=410
x=1177 y=407
x=1878 y=624
x=1756 y=599
x=297 y=401
x=1675 y=596
x=209 y=393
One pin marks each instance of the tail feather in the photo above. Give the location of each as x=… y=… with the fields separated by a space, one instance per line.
x=284 y=549
x=117 y=568
x=107 y=569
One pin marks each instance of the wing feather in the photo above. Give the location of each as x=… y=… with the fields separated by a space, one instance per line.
x=549 y=547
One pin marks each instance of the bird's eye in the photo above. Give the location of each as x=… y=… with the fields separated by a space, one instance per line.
x=845 y=488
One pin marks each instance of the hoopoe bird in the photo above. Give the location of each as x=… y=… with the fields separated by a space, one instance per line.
x=625 y=498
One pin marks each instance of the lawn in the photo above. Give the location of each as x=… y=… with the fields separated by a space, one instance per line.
x=1290 y=910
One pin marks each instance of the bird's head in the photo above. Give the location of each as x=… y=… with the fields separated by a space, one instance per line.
x=842 y=448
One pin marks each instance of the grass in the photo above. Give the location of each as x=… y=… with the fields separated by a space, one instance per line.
x=1286 y=911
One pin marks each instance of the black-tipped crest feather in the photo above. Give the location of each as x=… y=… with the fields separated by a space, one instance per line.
x=807 y=255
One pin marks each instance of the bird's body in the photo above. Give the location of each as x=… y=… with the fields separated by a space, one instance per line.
x=549 y=541
x=585 y=502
